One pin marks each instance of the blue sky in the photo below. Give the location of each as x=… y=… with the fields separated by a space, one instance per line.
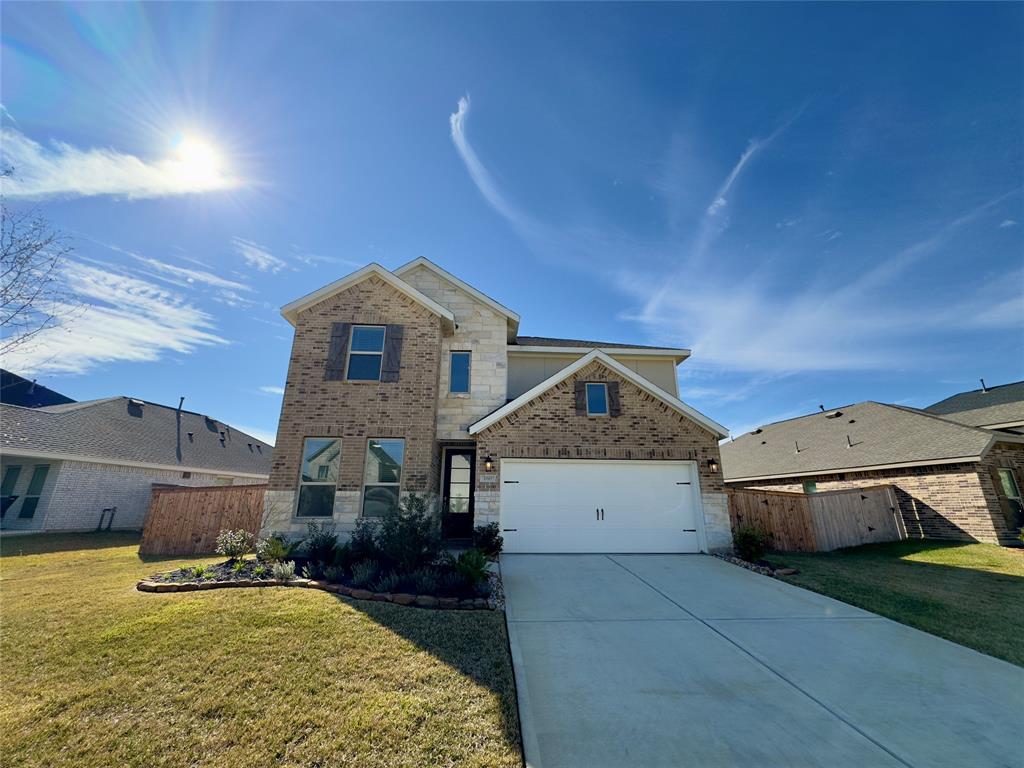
x=824 y=202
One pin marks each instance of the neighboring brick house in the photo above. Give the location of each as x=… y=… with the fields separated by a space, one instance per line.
x=413 y=381
x=63 y=465
x=954 y=479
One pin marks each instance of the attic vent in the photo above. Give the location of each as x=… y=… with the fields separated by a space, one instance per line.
x=191 y=436
x=137 y=403
x=757 y=431
x=250 y=447
x=764 y=442
x=853 y=421
x=833 y=415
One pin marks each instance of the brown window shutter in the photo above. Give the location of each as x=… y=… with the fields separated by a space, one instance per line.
x=392 y=361
x=334 y=368
x=581 y=398
x=614 y=403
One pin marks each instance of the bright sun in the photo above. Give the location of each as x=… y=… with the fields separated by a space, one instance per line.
x=197 y=164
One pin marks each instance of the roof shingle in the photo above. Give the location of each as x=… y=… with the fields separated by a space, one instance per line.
x=1003 y=404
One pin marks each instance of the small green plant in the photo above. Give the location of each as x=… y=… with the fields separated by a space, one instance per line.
x=487 y=538
x=259 y=571
x=238 y=567
x=335 y=574
x=284 y=571
x=364 y=572
x=276 y=548
x=472 y=567
x=425 y=581
x=198 y=571
x=387 y=583
x=234 y=544
x=750 y=543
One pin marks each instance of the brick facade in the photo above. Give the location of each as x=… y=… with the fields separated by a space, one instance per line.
x=549 y=428
x=356 y=411
x=946 y=501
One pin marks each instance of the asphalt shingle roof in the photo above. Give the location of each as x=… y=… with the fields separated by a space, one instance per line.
x=862 y=435
x=548 y=341
x=1002 y=404
x=123 y=429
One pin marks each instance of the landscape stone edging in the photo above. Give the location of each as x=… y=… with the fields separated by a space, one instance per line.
x=399 y=598
x=774 y=573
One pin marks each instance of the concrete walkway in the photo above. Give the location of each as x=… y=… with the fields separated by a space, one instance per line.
x=686 y=660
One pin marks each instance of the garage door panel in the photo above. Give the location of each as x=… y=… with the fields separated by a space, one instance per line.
x=552 y=506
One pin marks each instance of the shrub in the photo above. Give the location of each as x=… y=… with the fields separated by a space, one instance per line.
x=449 y=582
x=364 y=572
x=234 y=544
x=409 y=537
x=239 y=566
x=198 y=571
x=750 y=543
x=488 y=539
x=284 y=571
x=334 y=574
x=312 y=570
x=321 y=543
x=483 y=588
x=276 y=548
x=259 y=571
x=387 y=583
x=362 y=543
x=425 y=581
x=472 y=567
x=343 y=557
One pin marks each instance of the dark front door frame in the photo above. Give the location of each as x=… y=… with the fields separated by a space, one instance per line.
x=457 y=525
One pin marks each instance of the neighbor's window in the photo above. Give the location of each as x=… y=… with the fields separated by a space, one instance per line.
x=597 y=399
x=810 y=486
x=35 y=489
x=10 y=480
x=365 y=352
x=382 y=476
x=458 y=380
x=1011 y=490
x=321 y=463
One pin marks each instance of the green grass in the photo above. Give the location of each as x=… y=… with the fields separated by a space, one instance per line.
x=972 y=594
x=95 y=673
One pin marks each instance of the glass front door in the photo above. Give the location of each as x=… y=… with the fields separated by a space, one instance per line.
x=457 y=493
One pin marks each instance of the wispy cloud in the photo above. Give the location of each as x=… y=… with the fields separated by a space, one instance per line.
x=125 y=319
x=272 y=390
x=60 y=169
x=191 y=276
x=1007 y=223
x=258 y=257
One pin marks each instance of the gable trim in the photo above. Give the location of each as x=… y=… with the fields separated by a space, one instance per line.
x=290 y=311
x=631 y=376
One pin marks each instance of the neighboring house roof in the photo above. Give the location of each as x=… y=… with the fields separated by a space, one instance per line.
x=483 y=298
x=644 y=384
x=855 y=437
x=555 y=345
x=992 y=407
x=291 y=311
x=16 y=390
x=125 y=431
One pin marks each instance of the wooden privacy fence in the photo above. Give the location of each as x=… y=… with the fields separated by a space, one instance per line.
x=820 y=522
x=186 y=521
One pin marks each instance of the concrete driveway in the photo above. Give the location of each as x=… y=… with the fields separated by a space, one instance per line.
x=686 y=660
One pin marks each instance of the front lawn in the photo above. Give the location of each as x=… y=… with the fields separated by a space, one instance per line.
x=96 y=673
x=972 y=594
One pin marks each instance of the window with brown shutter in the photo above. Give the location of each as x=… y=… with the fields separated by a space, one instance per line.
x=392 y=362
x=614 y=403
x=581 y=398
x=334 y=368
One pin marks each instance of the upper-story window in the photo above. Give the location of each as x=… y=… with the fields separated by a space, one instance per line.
x=366 y=352
x=597 y=399
x=458 y=378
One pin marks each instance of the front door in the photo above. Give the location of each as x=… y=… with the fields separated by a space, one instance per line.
x=457 y=493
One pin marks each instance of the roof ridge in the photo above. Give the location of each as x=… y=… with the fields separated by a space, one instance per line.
x=919 y=412
x=978 y=391
x=808 y=415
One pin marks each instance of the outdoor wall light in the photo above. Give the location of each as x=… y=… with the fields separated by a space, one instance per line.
x=713 y=465
x=488 y=463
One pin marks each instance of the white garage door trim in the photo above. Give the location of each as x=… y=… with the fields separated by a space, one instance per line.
x=593 y=534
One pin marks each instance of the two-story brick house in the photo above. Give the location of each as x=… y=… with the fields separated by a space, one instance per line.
x=414 y=381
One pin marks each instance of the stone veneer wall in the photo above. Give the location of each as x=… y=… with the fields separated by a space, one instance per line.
x=481 y=331
x=357 y=411
x=548 y=427
x=945 y=501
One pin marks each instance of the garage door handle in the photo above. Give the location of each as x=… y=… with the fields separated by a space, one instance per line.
x=507 y=530
x=686 y=483
x=511 y=482
x=689 y=530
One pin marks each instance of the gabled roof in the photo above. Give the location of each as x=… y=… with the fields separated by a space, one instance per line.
x=551 y=345
x=291 y=311
x=993 y=407
x=855 y=437
x=647 y=386
x=483 y=298
x=17 y=390
x=126 y=431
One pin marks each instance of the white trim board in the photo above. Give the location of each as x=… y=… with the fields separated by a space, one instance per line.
x=647 y=386
x=290 y=311
x=679 y=355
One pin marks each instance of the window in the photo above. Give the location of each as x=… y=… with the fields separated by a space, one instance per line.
x=35 y=489
x=1011 y=491
x=810 y=486
x=365 y=353
x=458 y=379
x=223 y=481
x=597 y=399
x=382 y=477
x=10 y=480
x=321 y=462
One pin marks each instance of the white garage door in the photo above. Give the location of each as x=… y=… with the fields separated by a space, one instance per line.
x=598 y=506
